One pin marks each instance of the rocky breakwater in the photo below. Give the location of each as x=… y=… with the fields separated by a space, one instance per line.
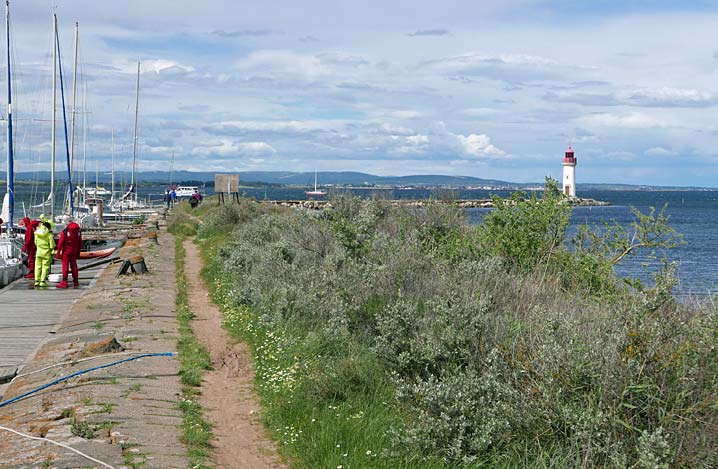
x=463 y=203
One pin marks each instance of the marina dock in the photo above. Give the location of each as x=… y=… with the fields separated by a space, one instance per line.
x=28 y=317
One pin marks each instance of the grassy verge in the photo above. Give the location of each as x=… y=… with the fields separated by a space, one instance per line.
x=388 y=337
x=326 y=400
x=194 y=359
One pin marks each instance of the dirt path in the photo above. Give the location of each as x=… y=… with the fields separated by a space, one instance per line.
x=227 y=395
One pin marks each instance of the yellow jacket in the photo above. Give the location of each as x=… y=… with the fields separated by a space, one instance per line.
x=44 y=241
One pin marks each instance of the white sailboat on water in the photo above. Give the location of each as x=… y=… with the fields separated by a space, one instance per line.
x=11 y=239
x=316 y=192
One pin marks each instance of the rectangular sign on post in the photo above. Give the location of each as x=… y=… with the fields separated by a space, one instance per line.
x=226 y=183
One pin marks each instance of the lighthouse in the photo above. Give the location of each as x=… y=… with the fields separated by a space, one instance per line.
x=569 y=173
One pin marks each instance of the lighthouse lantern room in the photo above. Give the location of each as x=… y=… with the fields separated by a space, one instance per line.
x=569 y=173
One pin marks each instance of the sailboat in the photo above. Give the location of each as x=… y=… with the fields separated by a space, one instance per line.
x=10 y=239
x=48 y=206
x=128 y=201
x=316 y=192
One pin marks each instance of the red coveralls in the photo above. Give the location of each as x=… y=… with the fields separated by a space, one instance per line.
x=29 y=247
x=68 y=249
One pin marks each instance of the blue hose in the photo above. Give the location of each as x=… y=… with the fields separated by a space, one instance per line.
x=65 y=378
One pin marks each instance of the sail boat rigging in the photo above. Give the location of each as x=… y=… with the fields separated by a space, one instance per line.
x=10 y=189
x=134 y=140
x=10 y=260
x=71 y=206
x=129 y=199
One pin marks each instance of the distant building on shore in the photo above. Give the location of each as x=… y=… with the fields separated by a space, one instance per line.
x=569 y=173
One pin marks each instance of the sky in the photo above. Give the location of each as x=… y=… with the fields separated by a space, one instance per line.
x=493 y=88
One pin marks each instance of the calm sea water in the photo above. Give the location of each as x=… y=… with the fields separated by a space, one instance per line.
x=694 y=214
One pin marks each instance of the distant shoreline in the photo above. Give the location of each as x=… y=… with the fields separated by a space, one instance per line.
x=463 y=203
x=342 y=179
x=208 y=186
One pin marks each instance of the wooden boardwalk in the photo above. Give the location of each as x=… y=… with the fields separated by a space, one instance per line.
x=29 y=316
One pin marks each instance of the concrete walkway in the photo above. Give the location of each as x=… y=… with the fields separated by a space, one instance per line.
x=126 y=415
x=29 y=316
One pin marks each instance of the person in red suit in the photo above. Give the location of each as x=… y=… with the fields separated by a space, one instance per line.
x=68 y=249
x=29 y=247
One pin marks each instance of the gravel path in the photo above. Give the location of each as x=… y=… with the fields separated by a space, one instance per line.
x=227 y=396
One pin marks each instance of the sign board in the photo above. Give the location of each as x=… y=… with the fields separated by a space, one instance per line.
x=226 y=183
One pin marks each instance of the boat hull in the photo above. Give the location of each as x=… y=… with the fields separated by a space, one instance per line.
x=99 y=254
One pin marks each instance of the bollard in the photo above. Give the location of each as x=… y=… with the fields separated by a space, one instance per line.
x=138 y=264
x=152 y=237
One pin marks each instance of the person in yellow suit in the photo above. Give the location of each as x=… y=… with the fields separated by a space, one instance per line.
x=45 y=242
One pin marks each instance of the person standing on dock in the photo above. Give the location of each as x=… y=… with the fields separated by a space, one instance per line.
x=45 y=245
x=68 y=249
x=29 y=247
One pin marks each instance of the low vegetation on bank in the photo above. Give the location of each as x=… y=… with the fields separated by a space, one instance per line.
x=194 y=357
x=396 y=337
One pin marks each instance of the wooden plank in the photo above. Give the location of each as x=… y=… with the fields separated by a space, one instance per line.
x=29 y=316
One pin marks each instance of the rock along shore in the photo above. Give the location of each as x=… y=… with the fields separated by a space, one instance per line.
x=463 y=203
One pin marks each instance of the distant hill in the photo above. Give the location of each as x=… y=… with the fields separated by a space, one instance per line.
x=287 y=178
x=333 y=178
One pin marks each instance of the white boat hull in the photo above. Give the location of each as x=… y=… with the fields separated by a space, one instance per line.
x=11 y=267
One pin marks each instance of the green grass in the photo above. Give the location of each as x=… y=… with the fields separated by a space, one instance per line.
x=194 y=360
x=134 y=460
x=83 y=429
x=106 y=408
x=384 y=337
x=338 y=409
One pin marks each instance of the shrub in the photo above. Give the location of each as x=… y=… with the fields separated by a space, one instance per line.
x=500 y=346
x=526 y=232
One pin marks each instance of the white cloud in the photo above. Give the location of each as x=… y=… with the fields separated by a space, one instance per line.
x=284 y=127
x=640 y=97
x=256 y=148
x=634 y=120
x=227 y=147
x=156 y=66
x=394 y=129
x=478 y=145
x=418 y=143
x=471 y=60
x=671 y=97
x=281 y=62
x=659 y=151
x=405 y=114
x=417 y=139
x=327 y=100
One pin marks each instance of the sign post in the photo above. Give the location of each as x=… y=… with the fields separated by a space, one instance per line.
x=226 y=184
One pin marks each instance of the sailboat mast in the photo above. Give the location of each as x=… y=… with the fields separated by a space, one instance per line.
x=10 y=164
x=134 y=143
x=74 y=99
x=172 y=168
x=54 y=115
x=84 y=144
x=112 y=195
x=70 y=202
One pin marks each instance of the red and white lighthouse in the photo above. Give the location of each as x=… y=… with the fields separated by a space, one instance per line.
x=569 y=173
